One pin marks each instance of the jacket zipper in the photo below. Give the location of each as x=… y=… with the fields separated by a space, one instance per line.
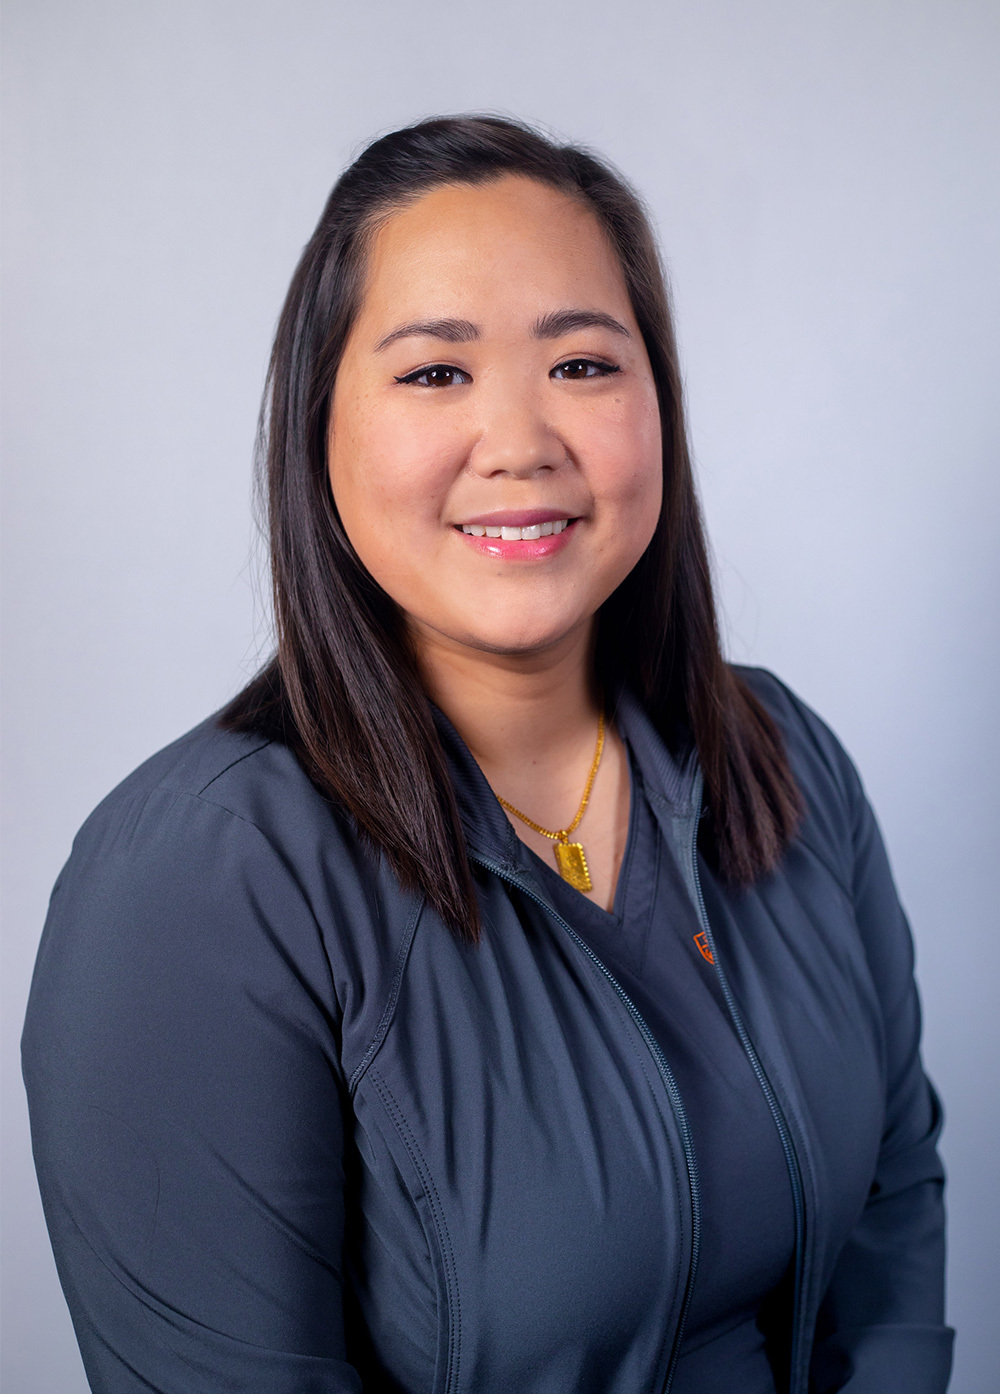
x=780 y=1122
x=673 y=1092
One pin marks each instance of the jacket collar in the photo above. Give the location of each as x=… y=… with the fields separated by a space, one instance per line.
x=674 y=778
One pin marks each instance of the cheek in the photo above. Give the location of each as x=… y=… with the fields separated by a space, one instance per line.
x=384 y=470
x=631 y=468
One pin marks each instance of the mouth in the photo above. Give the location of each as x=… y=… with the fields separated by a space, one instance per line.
x=530 y=532
x=527 y=535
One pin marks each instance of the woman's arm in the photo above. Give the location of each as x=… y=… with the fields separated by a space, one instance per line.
x=881 y=1326
x=186 y=1108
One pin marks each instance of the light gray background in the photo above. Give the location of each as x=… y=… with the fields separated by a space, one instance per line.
x=824 y=177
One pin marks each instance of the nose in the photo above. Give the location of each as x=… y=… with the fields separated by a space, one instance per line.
x=516 y=439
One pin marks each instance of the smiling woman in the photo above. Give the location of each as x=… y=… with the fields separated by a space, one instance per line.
x=343 y=1079
x=543 y=413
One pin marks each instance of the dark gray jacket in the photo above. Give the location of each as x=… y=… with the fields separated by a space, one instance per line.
x=285 y=1123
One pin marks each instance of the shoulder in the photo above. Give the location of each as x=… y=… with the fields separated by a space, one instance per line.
x=816 y=753
x=214 y=895
x=221 y=845
x=252 y=783
x=827 y=778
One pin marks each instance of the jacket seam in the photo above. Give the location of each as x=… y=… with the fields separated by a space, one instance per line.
x=390 y=1007
x=282 y=858
x=237 y=760
x=437 y=1215
x=832 y=872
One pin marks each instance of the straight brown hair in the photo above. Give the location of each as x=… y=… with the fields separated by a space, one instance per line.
x=343 y=688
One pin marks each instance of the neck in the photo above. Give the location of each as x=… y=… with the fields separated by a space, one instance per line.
x=516 y=713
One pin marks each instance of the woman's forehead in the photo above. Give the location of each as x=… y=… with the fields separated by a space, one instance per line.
x=512 y=238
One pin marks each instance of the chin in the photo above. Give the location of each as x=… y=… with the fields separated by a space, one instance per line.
x=516 y=639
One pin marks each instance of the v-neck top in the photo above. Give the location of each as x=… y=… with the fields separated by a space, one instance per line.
x=650 y=943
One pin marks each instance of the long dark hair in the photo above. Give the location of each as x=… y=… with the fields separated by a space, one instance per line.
x=343 y=688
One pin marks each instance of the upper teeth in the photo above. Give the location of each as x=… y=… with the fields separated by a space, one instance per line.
x=528 y=534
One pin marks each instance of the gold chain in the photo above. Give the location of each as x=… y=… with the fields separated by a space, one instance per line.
x=563 y=834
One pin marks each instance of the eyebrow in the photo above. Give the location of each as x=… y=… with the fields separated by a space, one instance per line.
x=561 y=322
x=453 y=331
x=550 y=326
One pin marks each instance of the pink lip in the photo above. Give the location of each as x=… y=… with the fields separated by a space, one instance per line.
x=500 y=550
x=518 y=518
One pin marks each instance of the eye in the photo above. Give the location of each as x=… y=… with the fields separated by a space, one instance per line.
x=437 y=375
x=575 y=368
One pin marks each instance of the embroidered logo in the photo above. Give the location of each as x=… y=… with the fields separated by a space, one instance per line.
x=702 y=941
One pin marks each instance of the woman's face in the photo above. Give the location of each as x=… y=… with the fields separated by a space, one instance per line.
x=494 y=442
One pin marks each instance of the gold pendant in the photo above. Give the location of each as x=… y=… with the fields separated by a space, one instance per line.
x=572 y=864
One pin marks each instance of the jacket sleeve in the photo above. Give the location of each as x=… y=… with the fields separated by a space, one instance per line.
x=187 y=1108
x=881 y=1324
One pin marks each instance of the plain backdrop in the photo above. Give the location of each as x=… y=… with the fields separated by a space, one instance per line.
x=824 y=181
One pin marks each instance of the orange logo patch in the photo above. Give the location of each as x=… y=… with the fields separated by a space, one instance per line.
x=702 y=941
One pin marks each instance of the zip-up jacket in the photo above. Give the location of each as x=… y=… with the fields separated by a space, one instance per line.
x=292 y=1134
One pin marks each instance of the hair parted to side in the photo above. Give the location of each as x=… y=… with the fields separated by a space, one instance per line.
x=343 y=688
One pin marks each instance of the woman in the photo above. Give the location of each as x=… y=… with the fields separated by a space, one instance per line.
x=503 y=993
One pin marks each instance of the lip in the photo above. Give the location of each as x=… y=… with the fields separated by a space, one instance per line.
x=500 y=550
x=518 y=517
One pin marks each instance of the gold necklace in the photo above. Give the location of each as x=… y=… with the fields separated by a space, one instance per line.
x=570 y=857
